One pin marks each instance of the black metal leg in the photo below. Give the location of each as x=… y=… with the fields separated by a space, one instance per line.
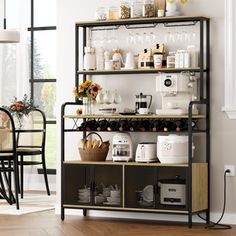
x=85 y=212
x=16 y=180
x=45 y=174
x=9 y=182
x=190 y=220
x=19 y=189
x=21 y=177
x=208 y=217
x=62 y=213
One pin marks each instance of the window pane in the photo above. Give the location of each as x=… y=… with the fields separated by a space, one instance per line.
x=44 y=13
x=45 y=98
x=45 y=54
x=17 y=14
x=51 y=146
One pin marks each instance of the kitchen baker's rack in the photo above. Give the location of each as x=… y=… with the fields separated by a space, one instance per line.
x=75 y=173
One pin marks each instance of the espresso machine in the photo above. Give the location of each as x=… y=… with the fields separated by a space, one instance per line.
x=177 y=91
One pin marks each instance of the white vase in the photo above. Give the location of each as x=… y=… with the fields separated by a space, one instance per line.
x=172 y=9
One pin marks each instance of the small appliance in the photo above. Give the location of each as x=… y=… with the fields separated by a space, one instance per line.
x=173 y=149
x=173 y=191
x=122 y=149
x=177 y=91
x=142 y=105
x=146 y=152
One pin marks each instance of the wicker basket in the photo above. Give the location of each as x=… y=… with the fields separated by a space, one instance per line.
x=94 y=154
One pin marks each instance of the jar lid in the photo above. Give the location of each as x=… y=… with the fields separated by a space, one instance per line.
x=89 y=50
x=117 y=50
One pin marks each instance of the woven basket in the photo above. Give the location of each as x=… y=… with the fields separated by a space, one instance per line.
x=94 y=154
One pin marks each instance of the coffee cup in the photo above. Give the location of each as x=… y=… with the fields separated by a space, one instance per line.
x=109 y=65
x=143 y=111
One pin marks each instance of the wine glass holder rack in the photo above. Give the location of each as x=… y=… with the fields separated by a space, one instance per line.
x=76 y=173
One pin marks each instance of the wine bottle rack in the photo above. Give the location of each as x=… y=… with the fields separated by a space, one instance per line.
x=137 y=125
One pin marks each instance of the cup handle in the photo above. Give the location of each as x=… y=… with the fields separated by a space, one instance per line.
x=150 y=102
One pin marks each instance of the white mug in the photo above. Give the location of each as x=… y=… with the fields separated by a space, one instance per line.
x=143 y=111
x=109 y=65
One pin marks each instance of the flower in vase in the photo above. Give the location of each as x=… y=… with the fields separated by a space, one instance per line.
x=20 y=108
x=87 y=89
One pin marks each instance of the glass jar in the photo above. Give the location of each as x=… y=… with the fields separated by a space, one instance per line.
x=124 y=10
x=148 y=8
x=101 y=13
x=87 y=106
x=136 y=10
x=112 y=13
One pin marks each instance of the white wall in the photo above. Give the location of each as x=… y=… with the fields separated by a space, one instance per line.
x=223 y=130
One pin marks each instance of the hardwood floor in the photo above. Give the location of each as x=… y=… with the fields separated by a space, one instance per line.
x=47 y=223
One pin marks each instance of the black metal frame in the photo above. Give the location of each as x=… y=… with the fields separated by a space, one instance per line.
x=204 y=91
x=11 y=166
x=31 y=150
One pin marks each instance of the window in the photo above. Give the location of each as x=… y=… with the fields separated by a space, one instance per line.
x=230 y=60
x=42 y=50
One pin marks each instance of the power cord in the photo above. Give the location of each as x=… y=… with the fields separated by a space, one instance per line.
x=217 y=225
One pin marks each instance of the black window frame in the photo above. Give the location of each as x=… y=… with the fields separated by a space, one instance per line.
x=32 y=80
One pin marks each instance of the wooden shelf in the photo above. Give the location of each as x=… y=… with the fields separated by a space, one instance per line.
x=79 y=162
x=123 y=209
x=138 y=71
x=134 y=21
x=117 y=116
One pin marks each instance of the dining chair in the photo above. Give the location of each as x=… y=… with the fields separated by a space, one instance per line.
x=31 y=141
x=8 y=158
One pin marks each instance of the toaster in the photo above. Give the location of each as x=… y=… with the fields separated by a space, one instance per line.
x=146 y=152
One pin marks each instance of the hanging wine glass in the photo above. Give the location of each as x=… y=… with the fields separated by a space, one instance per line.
x=117 y=98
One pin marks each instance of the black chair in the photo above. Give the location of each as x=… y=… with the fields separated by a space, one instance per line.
x=31 y=142
x=8 y=158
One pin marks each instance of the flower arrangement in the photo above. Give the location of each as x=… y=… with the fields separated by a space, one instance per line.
x=87 y=89
x=20 y=108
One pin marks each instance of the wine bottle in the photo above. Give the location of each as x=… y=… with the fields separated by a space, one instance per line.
x=155 y=126
x=182 y=125
x=124 y=125
x=91 y=125
x=144 y=125
x=102 y=125
x=113 y=126
x=133 y=125
x=81 y=127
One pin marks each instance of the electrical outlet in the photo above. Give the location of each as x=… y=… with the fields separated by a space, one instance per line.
x=231 y=168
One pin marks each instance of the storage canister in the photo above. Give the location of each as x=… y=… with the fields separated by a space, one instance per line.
x=136 y=10
x=170 y=60
x=101 y=13
x=148 y=8
x=112 y=13
x=124 y=10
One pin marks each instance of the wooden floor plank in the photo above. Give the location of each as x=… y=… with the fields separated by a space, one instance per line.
x=49 y=224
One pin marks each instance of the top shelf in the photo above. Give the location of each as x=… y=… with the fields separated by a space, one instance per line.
x=139 y=71
x=135 y=21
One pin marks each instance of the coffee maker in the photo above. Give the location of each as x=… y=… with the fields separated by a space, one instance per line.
x=122 y=149
x=177 y=91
